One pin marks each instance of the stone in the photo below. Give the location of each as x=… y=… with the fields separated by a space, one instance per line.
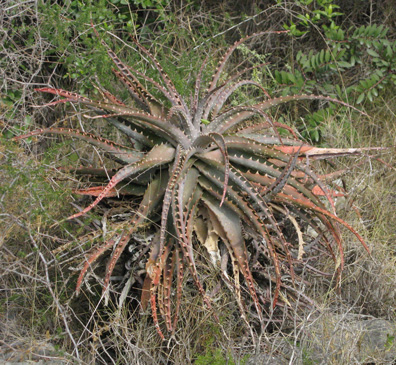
x=350 y=339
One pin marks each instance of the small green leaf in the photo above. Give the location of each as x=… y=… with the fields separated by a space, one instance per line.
x=327 y=56
x=389 y=341
x=315 y=135
x=344 y=64
x=28 y=120
x=8 y=134
x=372 y=53
x=291 y=78
x=360 y=99
x=73 y=157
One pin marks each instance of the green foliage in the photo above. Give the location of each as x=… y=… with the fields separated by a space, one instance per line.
x=323 y=12
x=355 y=64
x=390 y=341
x=29 y=181
x=8 y=100
x=217 y=357
x=72 y=44
x=159 y=4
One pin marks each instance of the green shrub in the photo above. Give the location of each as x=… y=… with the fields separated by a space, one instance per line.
x=355 y=64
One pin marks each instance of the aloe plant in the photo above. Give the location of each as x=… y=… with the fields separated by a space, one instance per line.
x=220 y=176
